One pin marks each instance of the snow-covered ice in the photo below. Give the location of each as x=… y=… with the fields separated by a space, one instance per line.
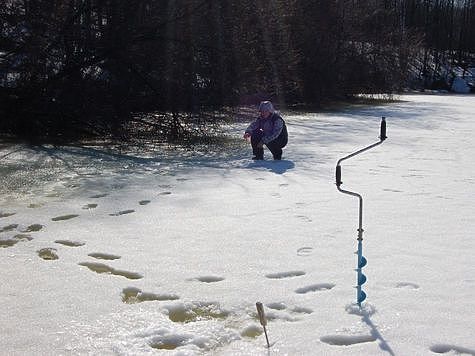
x=168 y=252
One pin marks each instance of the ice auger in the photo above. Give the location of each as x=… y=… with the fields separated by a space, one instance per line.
x=361 y=278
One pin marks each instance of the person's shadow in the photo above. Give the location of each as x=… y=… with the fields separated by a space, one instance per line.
x=276 y=166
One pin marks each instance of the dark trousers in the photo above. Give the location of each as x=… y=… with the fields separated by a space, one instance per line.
x=274 y=146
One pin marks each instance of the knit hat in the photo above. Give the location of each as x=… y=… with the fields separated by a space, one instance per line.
x=266 y=106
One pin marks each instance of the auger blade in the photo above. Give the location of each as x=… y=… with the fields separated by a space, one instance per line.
x=362 y=262
x=361 y=297
x=362 y=279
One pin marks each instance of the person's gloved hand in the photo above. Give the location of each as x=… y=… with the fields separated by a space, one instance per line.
x=247 y=136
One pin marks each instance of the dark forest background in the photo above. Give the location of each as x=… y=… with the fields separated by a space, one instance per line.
x=164 y=69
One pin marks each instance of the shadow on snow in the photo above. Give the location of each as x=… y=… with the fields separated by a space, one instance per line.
x=278 y=167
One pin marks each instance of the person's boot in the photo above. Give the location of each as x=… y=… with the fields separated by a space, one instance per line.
x=277 y=155
x=258 y=154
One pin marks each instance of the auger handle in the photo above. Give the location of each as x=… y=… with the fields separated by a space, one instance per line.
x=338 y=176
x=382 y=135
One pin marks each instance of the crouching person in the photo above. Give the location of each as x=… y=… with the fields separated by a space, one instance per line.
x=268 y=129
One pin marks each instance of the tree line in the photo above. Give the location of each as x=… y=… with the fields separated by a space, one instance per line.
x=166 y=68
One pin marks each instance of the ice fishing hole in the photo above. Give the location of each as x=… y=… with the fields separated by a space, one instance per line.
x=252 y=331
x=182 y=313
x=276 y=306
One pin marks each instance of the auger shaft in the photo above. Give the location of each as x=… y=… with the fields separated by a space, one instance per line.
x=361 y=278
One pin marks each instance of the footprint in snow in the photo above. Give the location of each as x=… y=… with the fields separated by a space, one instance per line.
x=48 y=254
x=35 y=205
x=144 y=202
x=103 y=256
x=132 y=295
x=304 y=218
x=9 y=228
x=392 y=190
x=302 y=310
x=304 y=251
x=276 y=306
x=282 y=275
x=89 y=206
x=102 y=268
x=315 y=288
x=172 y=341
x=14 y=240
x=446 y=348
x=33 y=228
x=282 y=306
x=4 y=215
x=123 y=212
x=208 y=279
x=276 y=314
x=407 y=285
x=70 y=243
x=346 y=340
x=65 y=217
x=99 y=196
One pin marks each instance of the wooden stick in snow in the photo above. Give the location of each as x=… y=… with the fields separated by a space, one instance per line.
x=262 y=319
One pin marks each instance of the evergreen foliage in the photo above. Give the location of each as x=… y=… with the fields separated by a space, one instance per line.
x=111 y=68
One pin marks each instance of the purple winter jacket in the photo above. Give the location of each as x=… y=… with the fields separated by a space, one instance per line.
x=272 y=127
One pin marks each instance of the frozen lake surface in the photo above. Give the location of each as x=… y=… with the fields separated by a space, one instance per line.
x=139 y=252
